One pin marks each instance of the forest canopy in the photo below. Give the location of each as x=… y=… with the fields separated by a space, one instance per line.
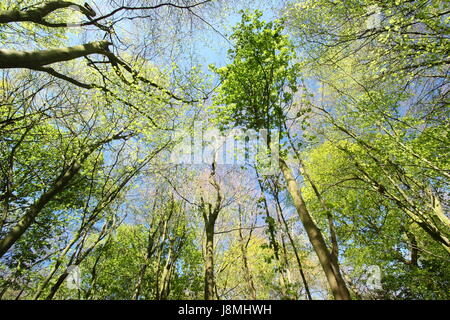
x=224 y=149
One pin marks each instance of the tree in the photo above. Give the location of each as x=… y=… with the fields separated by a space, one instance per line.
x=264 y=55
x=391 y=102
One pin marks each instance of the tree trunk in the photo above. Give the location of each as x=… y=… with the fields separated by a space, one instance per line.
x=165 y=277
x=247 y=272
x=335 y=280
x=294 y=248
x=272 y=236
x=209 y=260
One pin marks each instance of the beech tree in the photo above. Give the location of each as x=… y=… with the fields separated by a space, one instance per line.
x=262 y=51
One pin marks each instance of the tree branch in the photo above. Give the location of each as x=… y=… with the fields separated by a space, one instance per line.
x=35 y=59
x=38 y=14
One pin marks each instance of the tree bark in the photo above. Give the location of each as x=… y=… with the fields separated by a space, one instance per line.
x=164 y=287
x=210 y=213
x=36 y=59
x=247 y=272
x=272 y=236
x=152 y=233
x=38 y=14
x=335 y=281
x=209 y=260
x=294 y=248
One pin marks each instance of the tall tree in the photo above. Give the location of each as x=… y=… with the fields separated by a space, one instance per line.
x=264 y=55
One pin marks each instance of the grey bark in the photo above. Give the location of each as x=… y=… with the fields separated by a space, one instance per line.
x=39 y=58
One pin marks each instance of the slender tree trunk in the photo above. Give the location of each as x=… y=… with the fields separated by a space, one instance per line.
x=56 y=266
x=294 y=247
x=210 y=213
x=247 y=272
x=333 y=236
x=47 y=280
x=331 y=227
x=78 y=257
x=335 y=281
x=150 y=250
x=435 y=204
x=165 y=277
x=272 y=237
x=160 y=250
x=93 y=284
x=138 y=286
x=57 y=285
x=209 y=260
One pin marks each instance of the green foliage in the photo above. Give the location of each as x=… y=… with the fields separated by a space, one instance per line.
x=261 y=78
x=372 y=229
